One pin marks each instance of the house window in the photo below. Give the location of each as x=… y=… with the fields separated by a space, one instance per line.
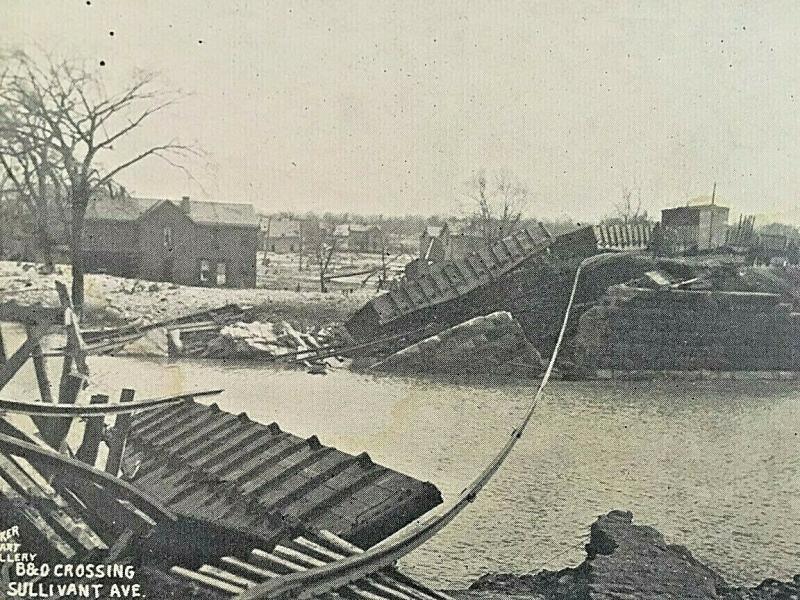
x=221 y=274
x=167 y=236
x=291 y=247
x=205 y=271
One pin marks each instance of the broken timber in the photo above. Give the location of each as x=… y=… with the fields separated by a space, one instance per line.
x=230 y=576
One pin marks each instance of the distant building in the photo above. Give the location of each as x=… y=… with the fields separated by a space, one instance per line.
x=697 y=228
x=359 y=238
x=281 y=234
x=449 y=241
x=284 y=234
x=187 y=242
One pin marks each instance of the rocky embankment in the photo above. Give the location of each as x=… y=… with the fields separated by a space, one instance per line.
x=625 y=561
x=494 y=343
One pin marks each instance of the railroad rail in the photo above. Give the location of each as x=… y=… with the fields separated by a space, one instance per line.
x=41 y=409
x=69 y=467
x=326 y=578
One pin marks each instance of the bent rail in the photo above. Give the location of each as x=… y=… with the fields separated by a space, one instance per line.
x=40 y=409
x=75 y=468
x=313 y=582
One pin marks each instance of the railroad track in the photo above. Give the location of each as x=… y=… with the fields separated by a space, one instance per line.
x=232 y=576
x=318 y=581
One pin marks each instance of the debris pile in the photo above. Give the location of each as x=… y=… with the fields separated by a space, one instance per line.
x=493 y=343
x=254 y=340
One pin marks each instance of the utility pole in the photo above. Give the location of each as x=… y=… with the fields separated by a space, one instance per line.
x=711 y=218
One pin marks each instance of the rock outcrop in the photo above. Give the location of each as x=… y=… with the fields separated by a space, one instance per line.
x=494 y=343
x=626 y=562
x=687 y=330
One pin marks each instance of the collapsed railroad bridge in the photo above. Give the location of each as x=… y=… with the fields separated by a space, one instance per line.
x=633 y=311
x=528 y=274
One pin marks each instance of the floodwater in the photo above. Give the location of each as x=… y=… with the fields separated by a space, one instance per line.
x=715 y=467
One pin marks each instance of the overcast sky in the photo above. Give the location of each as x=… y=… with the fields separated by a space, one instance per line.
x=382 y=107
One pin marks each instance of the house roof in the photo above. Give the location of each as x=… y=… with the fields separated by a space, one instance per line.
x=463 y=228
x=118 y=208
x=345 y=229
x=281 y=227
x=342 y=230
x=129 y=208
x=434 y=230
x=226 y=213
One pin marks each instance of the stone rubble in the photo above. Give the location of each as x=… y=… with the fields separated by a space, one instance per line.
x=494 y=343
x=625 y=561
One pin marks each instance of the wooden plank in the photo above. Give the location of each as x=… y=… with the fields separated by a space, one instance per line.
x=261 y=557
x=385 y=590
x=93 y=434
x=40 y=367
x=119 y=435
x=10 y=367
x=78 y=528
x=359 y=592
x=207 y=580
x=74 y=371
x=297 y=556
x=341 y=544
x=305 y=542
x=234 y=562
x=226 y=576
x=34 y=519
x=120 y=545
x=50 y=504
x=383 y=582
x=54 y=430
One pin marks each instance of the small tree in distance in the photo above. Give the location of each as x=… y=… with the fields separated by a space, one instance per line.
x=495 y=203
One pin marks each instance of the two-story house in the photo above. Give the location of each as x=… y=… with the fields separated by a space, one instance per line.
x=187 y=242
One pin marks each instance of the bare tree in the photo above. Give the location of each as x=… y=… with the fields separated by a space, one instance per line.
x=325 y=251
x=32 y=178
x=495 y=203
x=63 y=107
x=629 y=210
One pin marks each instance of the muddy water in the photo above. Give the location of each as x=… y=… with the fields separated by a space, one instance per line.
x=714 y=468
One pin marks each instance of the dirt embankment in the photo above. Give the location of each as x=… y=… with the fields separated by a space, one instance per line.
x=624 y=560
x=113 y=300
